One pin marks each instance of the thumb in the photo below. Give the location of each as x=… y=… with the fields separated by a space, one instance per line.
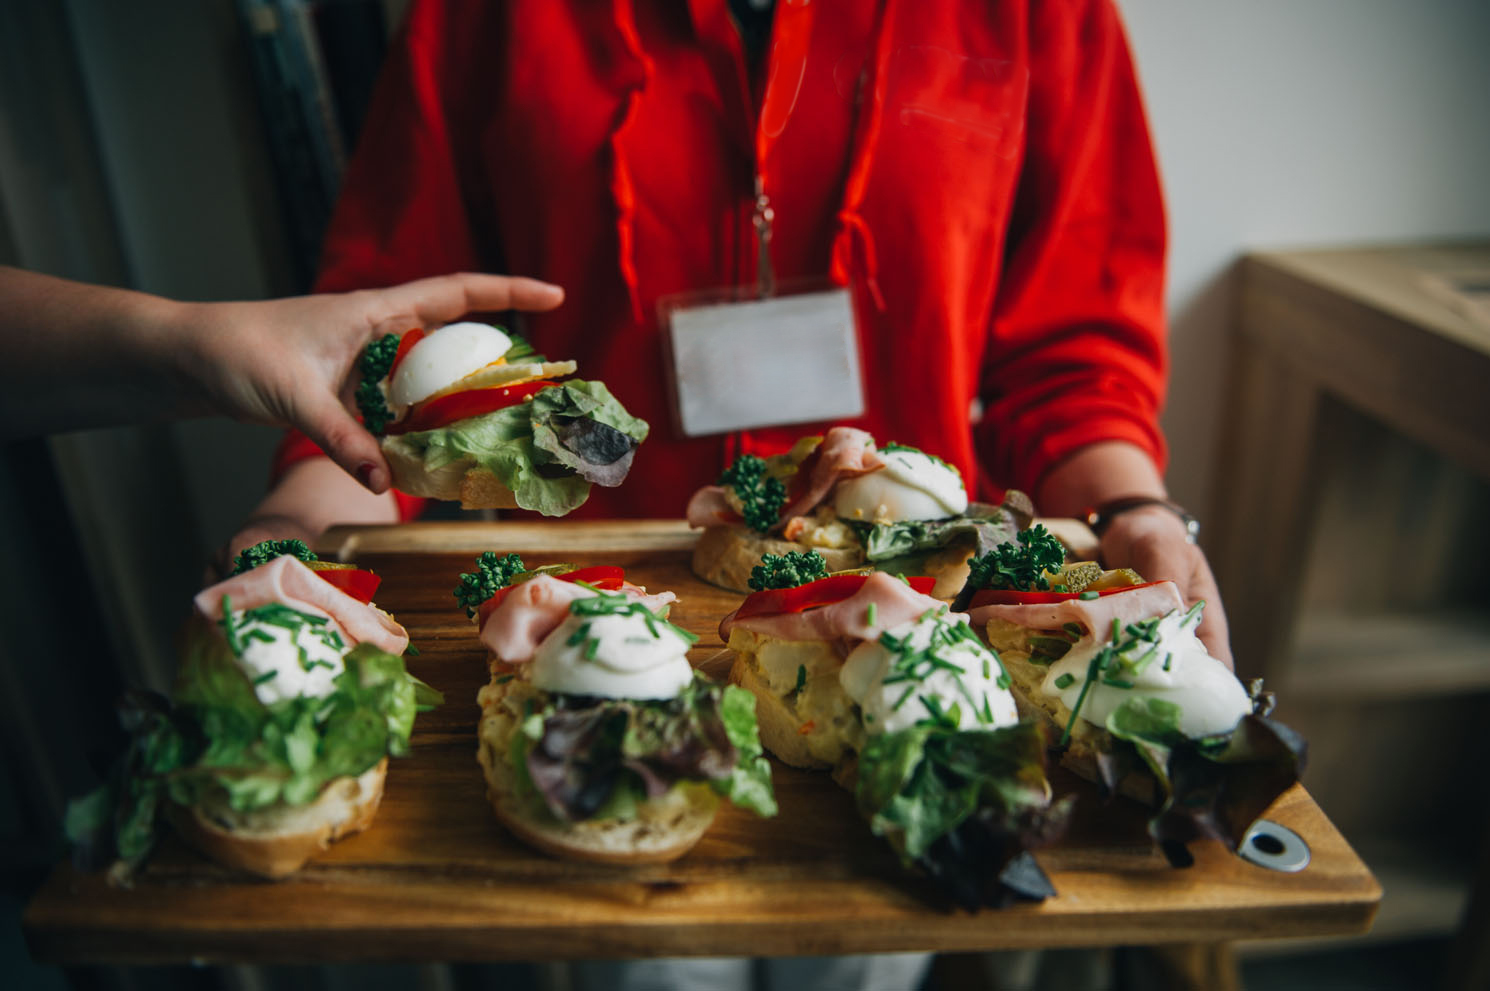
x=346 y=442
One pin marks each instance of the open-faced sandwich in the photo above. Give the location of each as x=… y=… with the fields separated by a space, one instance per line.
x=290 y=696
x=470 y=412
x=894 y=508
x=1113 y=665
x=598 y=739
x=867 y=675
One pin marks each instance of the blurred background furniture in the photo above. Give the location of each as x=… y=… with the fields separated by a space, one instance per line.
x=1352 y=497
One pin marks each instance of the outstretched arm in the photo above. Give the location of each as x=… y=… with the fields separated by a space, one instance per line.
x=74 y=356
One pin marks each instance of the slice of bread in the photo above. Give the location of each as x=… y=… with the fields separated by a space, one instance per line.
x=725 y=555
x=463 y=480
x=277 y=841
x=664 y=828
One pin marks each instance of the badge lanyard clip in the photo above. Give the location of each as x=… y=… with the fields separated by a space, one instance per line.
x=762 y=218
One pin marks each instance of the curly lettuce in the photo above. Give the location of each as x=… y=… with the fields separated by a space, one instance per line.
x=586 y=757
x=964 y=806
x=214 y=741
x=1214 y=787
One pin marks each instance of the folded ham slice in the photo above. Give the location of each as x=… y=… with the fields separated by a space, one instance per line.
x=289 y=582
x=844 y=453
x=709 y=507
x=1093 y=615
x=894 y=603
x=533 y=609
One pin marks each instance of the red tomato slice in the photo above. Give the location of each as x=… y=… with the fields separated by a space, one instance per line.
x=606 y=577
x=405 y=344
x=357 y=583
x=824 y=591
x=447 y=409
x=1011 y=597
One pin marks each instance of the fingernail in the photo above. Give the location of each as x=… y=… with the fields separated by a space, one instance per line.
x=369 y=475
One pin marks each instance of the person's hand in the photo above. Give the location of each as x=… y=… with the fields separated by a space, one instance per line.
x=292 y=362
x=1153 y=542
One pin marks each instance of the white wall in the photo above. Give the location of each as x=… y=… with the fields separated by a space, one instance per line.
x=1300 y=122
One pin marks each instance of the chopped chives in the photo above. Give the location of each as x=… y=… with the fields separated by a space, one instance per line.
x=1065 y=681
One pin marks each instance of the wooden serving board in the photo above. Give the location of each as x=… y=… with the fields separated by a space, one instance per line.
x=436 y=878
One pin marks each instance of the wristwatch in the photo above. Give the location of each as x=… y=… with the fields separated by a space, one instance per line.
x=1100 y=517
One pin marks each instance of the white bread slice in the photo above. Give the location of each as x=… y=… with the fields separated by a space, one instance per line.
x=725 y=555
x=463 y=480
x=277 y=841
x=664 y=829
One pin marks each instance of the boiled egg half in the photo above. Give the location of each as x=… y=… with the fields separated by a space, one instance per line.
x=912 y=485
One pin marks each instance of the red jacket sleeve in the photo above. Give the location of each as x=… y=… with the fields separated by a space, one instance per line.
x=1077 y=352
x=403 y=210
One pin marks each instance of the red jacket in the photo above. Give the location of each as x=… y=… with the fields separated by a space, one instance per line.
x=981 y=174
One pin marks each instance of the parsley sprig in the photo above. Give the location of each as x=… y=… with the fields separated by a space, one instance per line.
x=492 y=572
x=761 y=495
x=267 y=550
x=377 y=359
x=1019 y=566
x=788 y=570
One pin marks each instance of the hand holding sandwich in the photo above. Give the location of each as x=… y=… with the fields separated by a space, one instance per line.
x=75 y=356
x=1151 y=540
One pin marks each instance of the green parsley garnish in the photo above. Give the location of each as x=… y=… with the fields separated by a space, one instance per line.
x=377 y=359
x=267 y=550
x=492 y=572
x=788 y=570
x=761 y=495
x=1019 y=566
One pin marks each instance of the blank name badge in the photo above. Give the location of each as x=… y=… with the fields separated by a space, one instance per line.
x=765 y=362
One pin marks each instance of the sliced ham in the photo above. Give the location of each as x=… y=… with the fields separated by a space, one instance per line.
x=894 y=603
x=289 y=582
x=710 y=507
x=844 y=453
x=536 y=607
x=1093 y=615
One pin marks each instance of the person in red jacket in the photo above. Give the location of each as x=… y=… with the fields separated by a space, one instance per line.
x=980 y=177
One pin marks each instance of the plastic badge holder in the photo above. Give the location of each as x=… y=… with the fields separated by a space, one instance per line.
x=739 y=362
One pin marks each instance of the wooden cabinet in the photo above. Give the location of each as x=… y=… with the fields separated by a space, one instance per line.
x=1352 y=547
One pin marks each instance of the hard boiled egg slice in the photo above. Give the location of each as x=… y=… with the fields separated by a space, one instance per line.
x=500 y=374
x=911 y=486
x=445 y=356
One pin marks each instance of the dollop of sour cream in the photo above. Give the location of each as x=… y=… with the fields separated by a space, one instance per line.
x=1164 y=660
x=934 y=668
x=288 y=654
x=444 y=357
x=911 y=486
x=615 y=648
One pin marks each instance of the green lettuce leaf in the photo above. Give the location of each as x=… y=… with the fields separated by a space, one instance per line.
x=1214 y=787
x=964 y=806
x=580 y=751
x=216 y=742
x=983 y=527
x=749 y=783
